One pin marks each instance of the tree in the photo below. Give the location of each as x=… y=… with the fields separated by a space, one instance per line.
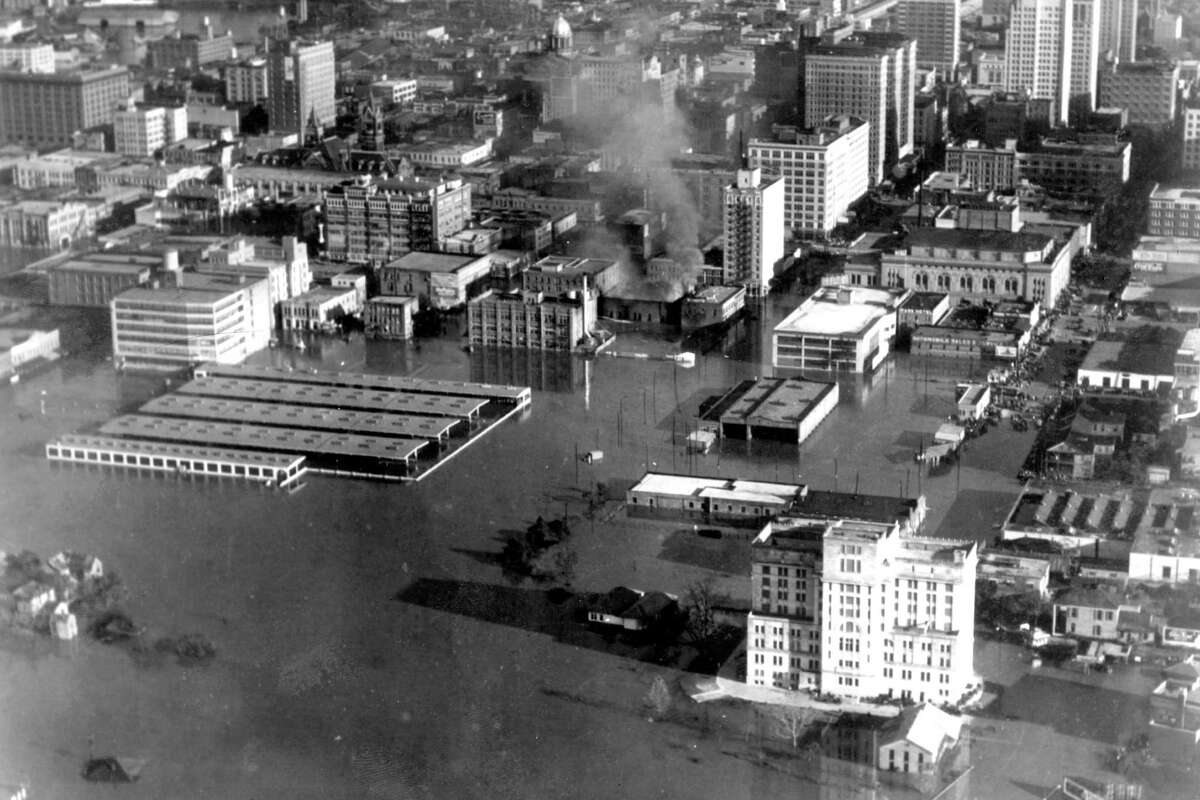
x=658 y=699
x=792 y=721
x=555 y=564
x=700 y=602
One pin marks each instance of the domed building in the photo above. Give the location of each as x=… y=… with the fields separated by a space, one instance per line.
x=561 y=38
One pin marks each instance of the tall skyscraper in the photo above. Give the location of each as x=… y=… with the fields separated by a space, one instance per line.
x=870 y=76
x=45 y=109
x=1118 y=29
x=937 y=27
x=300 y=85
x=1038 y=52
x=754 y=230
x=1085 y=54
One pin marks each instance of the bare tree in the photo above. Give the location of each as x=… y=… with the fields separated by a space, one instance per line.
x=791 y=721
x=700 y=601
x=658 y=699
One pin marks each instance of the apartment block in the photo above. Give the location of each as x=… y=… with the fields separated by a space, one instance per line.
x=824 y=171
x=44 y=110
x=373 y=223
x=854 y=609
x=754 y=230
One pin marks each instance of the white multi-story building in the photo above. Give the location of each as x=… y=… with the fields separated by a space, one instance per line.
x=246 y=81
x=754 y=230
x=1037 y=52
x=871 y=76
x=27 y=57
x=1085 y=53
x=1174 y=211
x=141 y=132
x=824 y=171
x=937 y=27
x=395 y=90
x=207 y=318
x=856 y=609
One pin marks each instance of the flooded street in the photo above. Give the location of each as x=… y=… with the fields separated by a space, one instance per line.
x=324 y=684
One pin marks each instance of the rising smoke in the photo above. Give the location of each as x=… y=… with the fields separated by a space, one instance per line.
x=640 y=137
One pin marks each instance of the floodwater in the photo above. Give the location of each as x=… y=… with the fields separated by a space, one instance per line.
x=325 y=685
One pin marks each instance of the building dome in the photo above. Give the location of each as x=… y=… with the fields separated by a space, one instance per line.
x=561 y=29
x=560 y=39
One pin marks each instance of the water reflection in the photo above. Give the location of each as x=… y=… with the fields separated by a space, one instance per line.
x=540 y=370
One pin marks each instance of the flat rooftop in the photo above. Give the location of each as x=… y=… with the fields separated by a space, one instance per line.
x=827 y=318
x=334 y=397
x=354 y=380
x=1148 y=350
x=769 y=400
x=262 y=437
x=99 y=266
x=715 y=294
x=431 y=262
x=689 y=486
x=296 y=416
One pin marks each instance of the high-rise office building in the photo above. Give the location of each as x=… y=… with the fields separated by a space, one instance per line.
x=754 y=230
x=1085 y=54
x=936 y=26
x=855 y=609
x=246 y=81
x=46 y=109
x=824 y=170
x=300 y=85
x=1038 y=52
x=870 y=76
x=1118 y=29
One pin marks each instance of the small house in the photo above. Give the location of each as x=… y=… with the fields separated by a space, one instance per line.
x=64 y=623
x=950 y=433
x=916 y=740
x=32 y=597
x=632 y=610
x=973 y=400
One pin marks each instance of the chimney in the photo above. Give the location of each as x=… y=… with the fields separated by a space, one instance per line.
x=208 y=33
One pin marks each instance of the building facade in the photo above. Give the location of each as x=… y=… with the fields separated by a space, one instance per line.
x=854 y=609
x=1174 y=211
x=374 y=222
x=979 y=265
x=47 y=224
x=936 y=25
x=246 y=81
x=1085 y=54
x=754 y=230
x=171 y=328
x=1190 y=131
x=869 y=76
x=46 y=109
x=985 y=167
x=1146 y=89
x=390 y=317
x=141 y=132
x=839 y=329
x=525 y=320
x=824 y=171
x=190 y=51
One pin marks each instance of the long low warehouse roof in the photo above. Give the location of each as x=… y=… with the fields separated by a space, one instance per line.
x=262 y=437
x=309 y=394
x=254 y=457
x=514 y=394
x=296 y=416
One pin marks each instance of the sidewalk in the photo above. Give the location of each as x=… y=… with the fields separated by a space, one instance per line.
x=703 y=689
